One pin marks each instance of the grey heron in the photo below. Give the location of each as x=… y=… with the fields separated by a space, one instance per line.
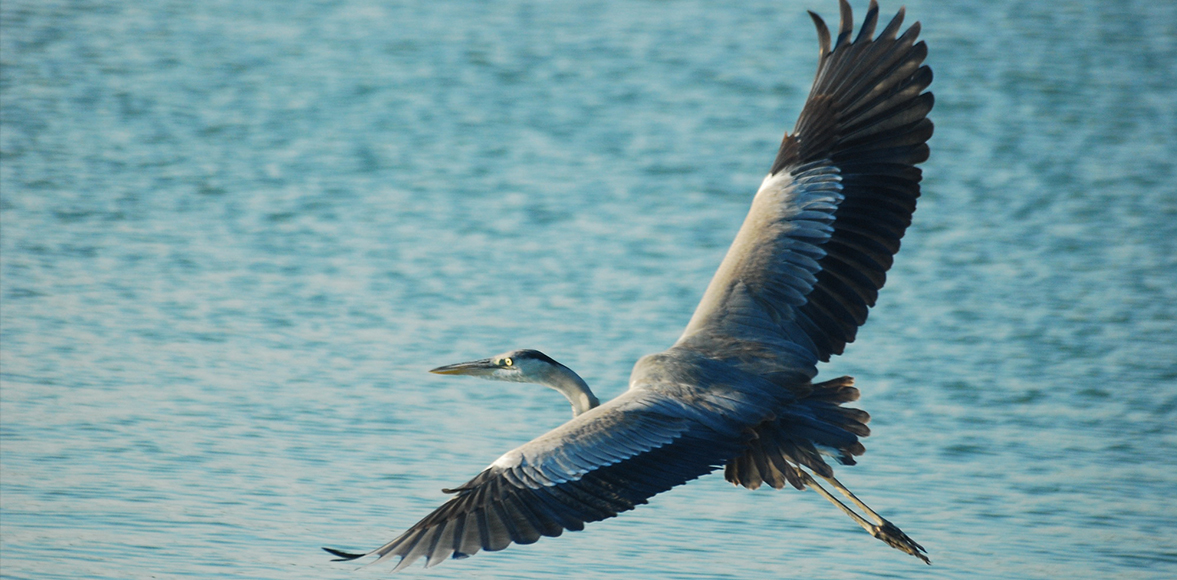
x=736 y=390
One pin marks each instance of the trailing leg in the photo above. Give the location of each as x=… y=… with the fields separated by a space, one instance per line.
x=882 y=529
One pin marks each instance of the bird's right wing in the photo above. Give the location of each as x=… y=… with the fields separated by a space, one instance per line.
x=603 y=462
x=813 y=253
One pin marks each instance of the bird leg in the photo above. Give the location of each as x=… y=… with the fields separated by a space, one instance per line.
x=889 y=533
x=850 y=495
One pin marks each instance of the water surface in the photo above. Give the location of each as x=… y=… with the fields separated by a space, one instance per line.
x=235 y=235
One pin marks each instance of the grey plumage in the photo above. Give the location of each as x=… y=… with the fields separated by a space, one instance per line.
x=735 y=391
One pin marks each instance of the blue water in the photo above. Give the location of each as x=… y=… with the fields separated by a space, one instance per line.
x=235 y=235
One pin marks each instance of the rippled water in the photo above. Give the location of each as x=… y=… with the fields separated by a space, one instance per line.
x=236 y=234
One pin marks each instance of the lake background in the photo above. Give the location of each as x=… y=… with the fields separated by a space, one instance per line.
x=235 y=235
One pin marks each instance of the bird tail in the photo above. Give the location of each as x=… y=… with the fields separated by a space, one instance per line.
x=782 y=448
x=799 y=435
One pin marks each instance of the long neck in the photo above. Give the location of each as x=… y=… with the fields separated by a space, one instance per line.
x=573 y=387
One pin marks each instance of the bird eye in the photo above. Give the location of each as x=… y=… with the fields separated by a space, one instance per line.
x=508 y=362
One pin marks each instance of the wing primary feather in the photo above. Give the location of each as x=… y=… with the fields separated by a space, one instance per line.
x=869 y=22
x=507 y=529
x=422 y=545
x=443 y=546
x=881 y=68
x=341 y=556
x=494 y=534
x=411 y=541
x=459 y=532
x=558 y=511
x=846 y=26
x=892 y=27
x=536 y=519
x=823 y=35
x=525 y=527
x=472 y=533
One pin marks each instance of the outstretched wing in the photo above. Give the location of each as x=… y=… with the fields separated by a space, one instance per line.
x=603 y=462
x=810 y=258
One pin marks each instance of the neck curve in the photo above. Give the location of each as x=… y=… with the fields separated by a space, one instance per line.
x=578 y=393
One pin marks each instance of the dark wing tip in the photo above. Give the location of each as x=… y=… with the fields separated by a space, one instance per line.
x=341 y=555
x=823 y=34
x=846 y=24
x=869 y=23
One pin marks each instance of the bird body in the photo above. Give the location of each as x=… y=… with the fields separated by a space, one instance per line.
x=736 y=390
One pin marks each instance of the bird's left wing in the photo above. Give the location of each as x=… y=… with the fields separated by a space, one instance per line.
x=603 y=462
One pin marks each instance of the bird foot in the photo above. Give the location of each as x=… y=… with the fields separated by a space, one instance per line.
x=894 y=537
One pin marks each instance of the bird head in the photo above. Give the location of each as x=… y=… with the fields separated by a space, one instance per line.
x=518 y=366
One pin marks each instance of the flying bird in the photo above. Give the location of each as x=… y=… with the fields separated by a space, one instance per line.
x=737 y=389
